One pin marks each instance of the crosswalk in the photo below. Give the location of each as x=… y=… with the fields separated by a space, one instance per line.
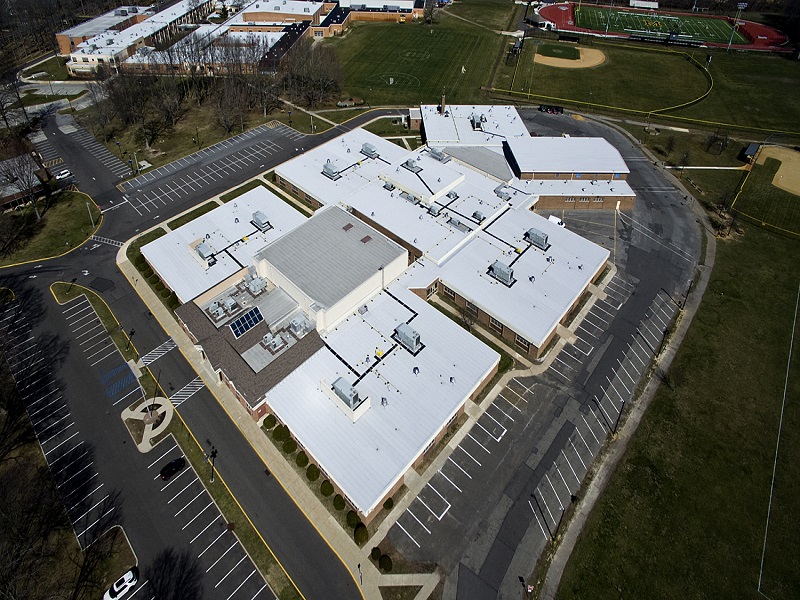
x=101 y=153
x=50 y=157
x=157 y=353
x=104 y=240
x=187 y=391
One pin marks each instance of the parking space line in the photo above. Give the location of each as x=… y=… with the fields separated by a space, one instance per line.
x=73 y=476
x=91 y=356
x=450 y=480
x=71 y=508
x=470 y=455
x=565 y=364
x=615 y=387
x=241 y=584
x=91 y=509
x=178 y=476
x=202 y=491
x=578 y=454
x=591 y=314
x=150 y=466
x=188 y=485
x=408 y=510
x=508 y=416
x=599 y=422
x=520 y=396
x=113 y=351
x=560 y=474
x=555 y=493
x=406 y=532
x=77 y=458
x=604 y=310
x=459 y=467
x=209 y=505
x=214 y=520
x=469 y=435
x=98 y=325
x=136 y=389
x=85 y=308
x=140 y=588
x=211 y=544
x=231 y=571
x=52 y=437
x=590 y=431
x=83 y=301
x=95 y=522
x=77 y=488
x=53 y=423
x=559 y=373
x=537 y=520
x=232 y=546
x=75 y=447
x=37 y=411
x=545 y=504
x=496 y=439
x=514 y=406
x=620 y=363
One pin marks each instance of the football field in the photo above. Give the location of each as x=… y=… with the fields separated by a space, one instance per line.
x=708 y=29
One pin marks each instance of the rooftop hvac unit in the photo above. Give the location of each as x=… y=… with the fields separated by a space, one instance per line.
x=213 y=306
x=257 y=285
x=439 y=155
x=411 y=165
x=330 y=171
x=537 y=238
x=434 y=210
x=408 y=337
x=369 y=150
x=298 y=325
x=454 y=222
x=476 y=121
x=204 y=251
x=260 y=220
x=478 y=216
x=502 y=272
x=452 y=194
x=121 y=12
x=110 y=42
x=267 y=339
x=218 y=313
x=133 y=9
x=410 y=197
x=346 y=392
x=388 y=186
x=229 y=304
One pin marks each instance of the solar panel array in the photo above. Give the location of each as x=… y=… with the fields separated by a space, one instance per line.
x=246 y=322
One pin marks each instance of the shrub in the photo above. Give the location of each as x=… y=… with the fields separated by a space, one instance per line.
x=165 y=293
x=376 y=553
x=269 y=421
x=385 y=563
x=290 y=446
x=281 y=433
x=159 y=286
x=360 y=534
x=312 y=472
x=388 y=504
x=302 y=459
x=147 y=272
x=326 y=488
x=352 y=519
x=338 y=502
x=153 y=279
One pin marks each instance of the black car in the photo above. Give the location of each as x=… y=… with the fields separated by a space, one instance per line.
x=172 y=467
x=550 y=109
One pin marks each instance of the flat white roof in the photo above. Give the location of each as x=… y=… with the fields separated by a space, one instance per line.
x=228 y=231
x=110 y=43
x=453 y=127
x=288 y=7
x=105 y=21
x=566 y=155
x=607 y=188
x=377 y=4
x=531 y=307
x=367 y=458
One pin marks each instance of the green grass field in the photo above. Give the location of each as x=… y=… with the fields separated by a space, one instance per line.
x=625 y=79
x=560 y=51
x=708 y=29
x=762 y=201
x=684 y=515
x=411 y=63
x=494 y=14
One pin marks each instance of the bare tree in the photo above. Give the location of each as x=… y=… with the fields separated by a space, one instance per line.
x=312 y=72
x=7 y=99
x=175 y=576
x=228 y=103
x=429 y=11
x=20 y=171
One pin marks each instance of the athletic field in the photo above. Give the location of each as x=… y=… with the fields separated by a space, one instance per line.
x=643 y=22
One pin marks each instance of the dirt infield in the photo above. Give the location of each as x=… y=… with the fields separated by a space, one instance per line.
x=788 y=176
x=590 y=57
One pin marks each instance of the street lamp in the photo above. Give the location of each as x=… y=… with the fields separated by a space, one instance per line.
x=130 y=336
x=212 y=456
x=71 y=283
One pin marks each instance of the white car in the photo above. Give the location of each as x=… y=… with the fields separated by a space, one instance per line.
x=65 y=174
x=123 y=585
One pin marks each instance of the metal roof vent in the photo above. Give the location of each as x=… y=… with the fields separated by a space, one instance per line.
x=346 y=392
x=476 y=121
x=478 y=216
x=452 y=194
x=408 y=337
x=439 y=155
x=537 y=238
x=434 y=210
x=204 y=251
x=502 y=273
x=388 y=186
x=411 y=165
x=330 y=171
x=260 y=220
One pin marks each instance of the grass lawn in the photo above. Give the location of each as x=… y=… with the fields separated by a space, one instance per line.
x=411 y=63
x=709 y=29
x=494 y=14
x=390 y=126
x=192 y=215
x=32 y=99
x=301 y=121
x=560 y=51
x=55 y=68
x=63 y=226
x=625 y=80
x=762 y=201
x=340 y=115
x=684 y=515
x=250 y=185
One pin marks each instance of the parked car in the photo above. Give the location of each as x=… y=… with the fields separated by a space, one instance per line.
x=63 y=174
x=556 y=220
x=123 y=585
x=172 y=467
x=550 y=109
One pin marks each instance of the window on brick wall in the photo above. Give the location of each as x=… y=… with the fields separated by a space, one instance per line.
x=430 y=291
x=598 y=199
x=584 y=199
x=471 y=308
x=570 y=199
x=448 y=292
x=522 y=342
x=496 y=325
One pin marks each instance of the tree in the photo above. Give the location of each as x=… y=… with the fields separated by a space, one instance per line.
x=7 y=99
x=312 y=72
x=429 y=11
x=20 y=170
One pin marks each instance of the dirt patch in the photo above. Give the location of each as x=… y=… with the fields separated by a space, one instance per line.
x=787 y=177
x=590 y=57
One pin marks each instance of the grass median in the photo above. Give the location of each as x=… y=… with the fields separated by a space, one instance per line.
x=192 y=215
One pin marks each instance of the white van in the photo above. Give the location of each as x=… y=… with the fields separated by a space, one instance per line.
x=556 y=220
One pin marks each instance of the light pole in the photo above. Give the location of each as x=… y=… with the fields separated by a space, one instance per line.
x=360 y=575
x=212 y=456
x=741 y=6
x=130 y=337
x=91 y=216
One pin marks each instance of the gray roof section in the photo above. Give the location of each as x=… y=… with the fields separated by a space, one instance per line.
x=327 y=259
x=482 y=159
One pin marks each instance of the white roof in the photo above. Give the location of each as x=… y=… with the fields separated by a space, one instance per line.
x=566 y=155
x=104 y=22
x=366 y=458
x=173 y=259
x=305 y=171
x=287 y=7
x=607 y=188
x=532 y=309
x=453 y=128
x=111 y=42
x=377 y=4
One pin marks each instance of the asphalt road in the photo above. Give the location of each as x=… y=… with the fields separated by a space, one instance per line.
x=310 y=562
